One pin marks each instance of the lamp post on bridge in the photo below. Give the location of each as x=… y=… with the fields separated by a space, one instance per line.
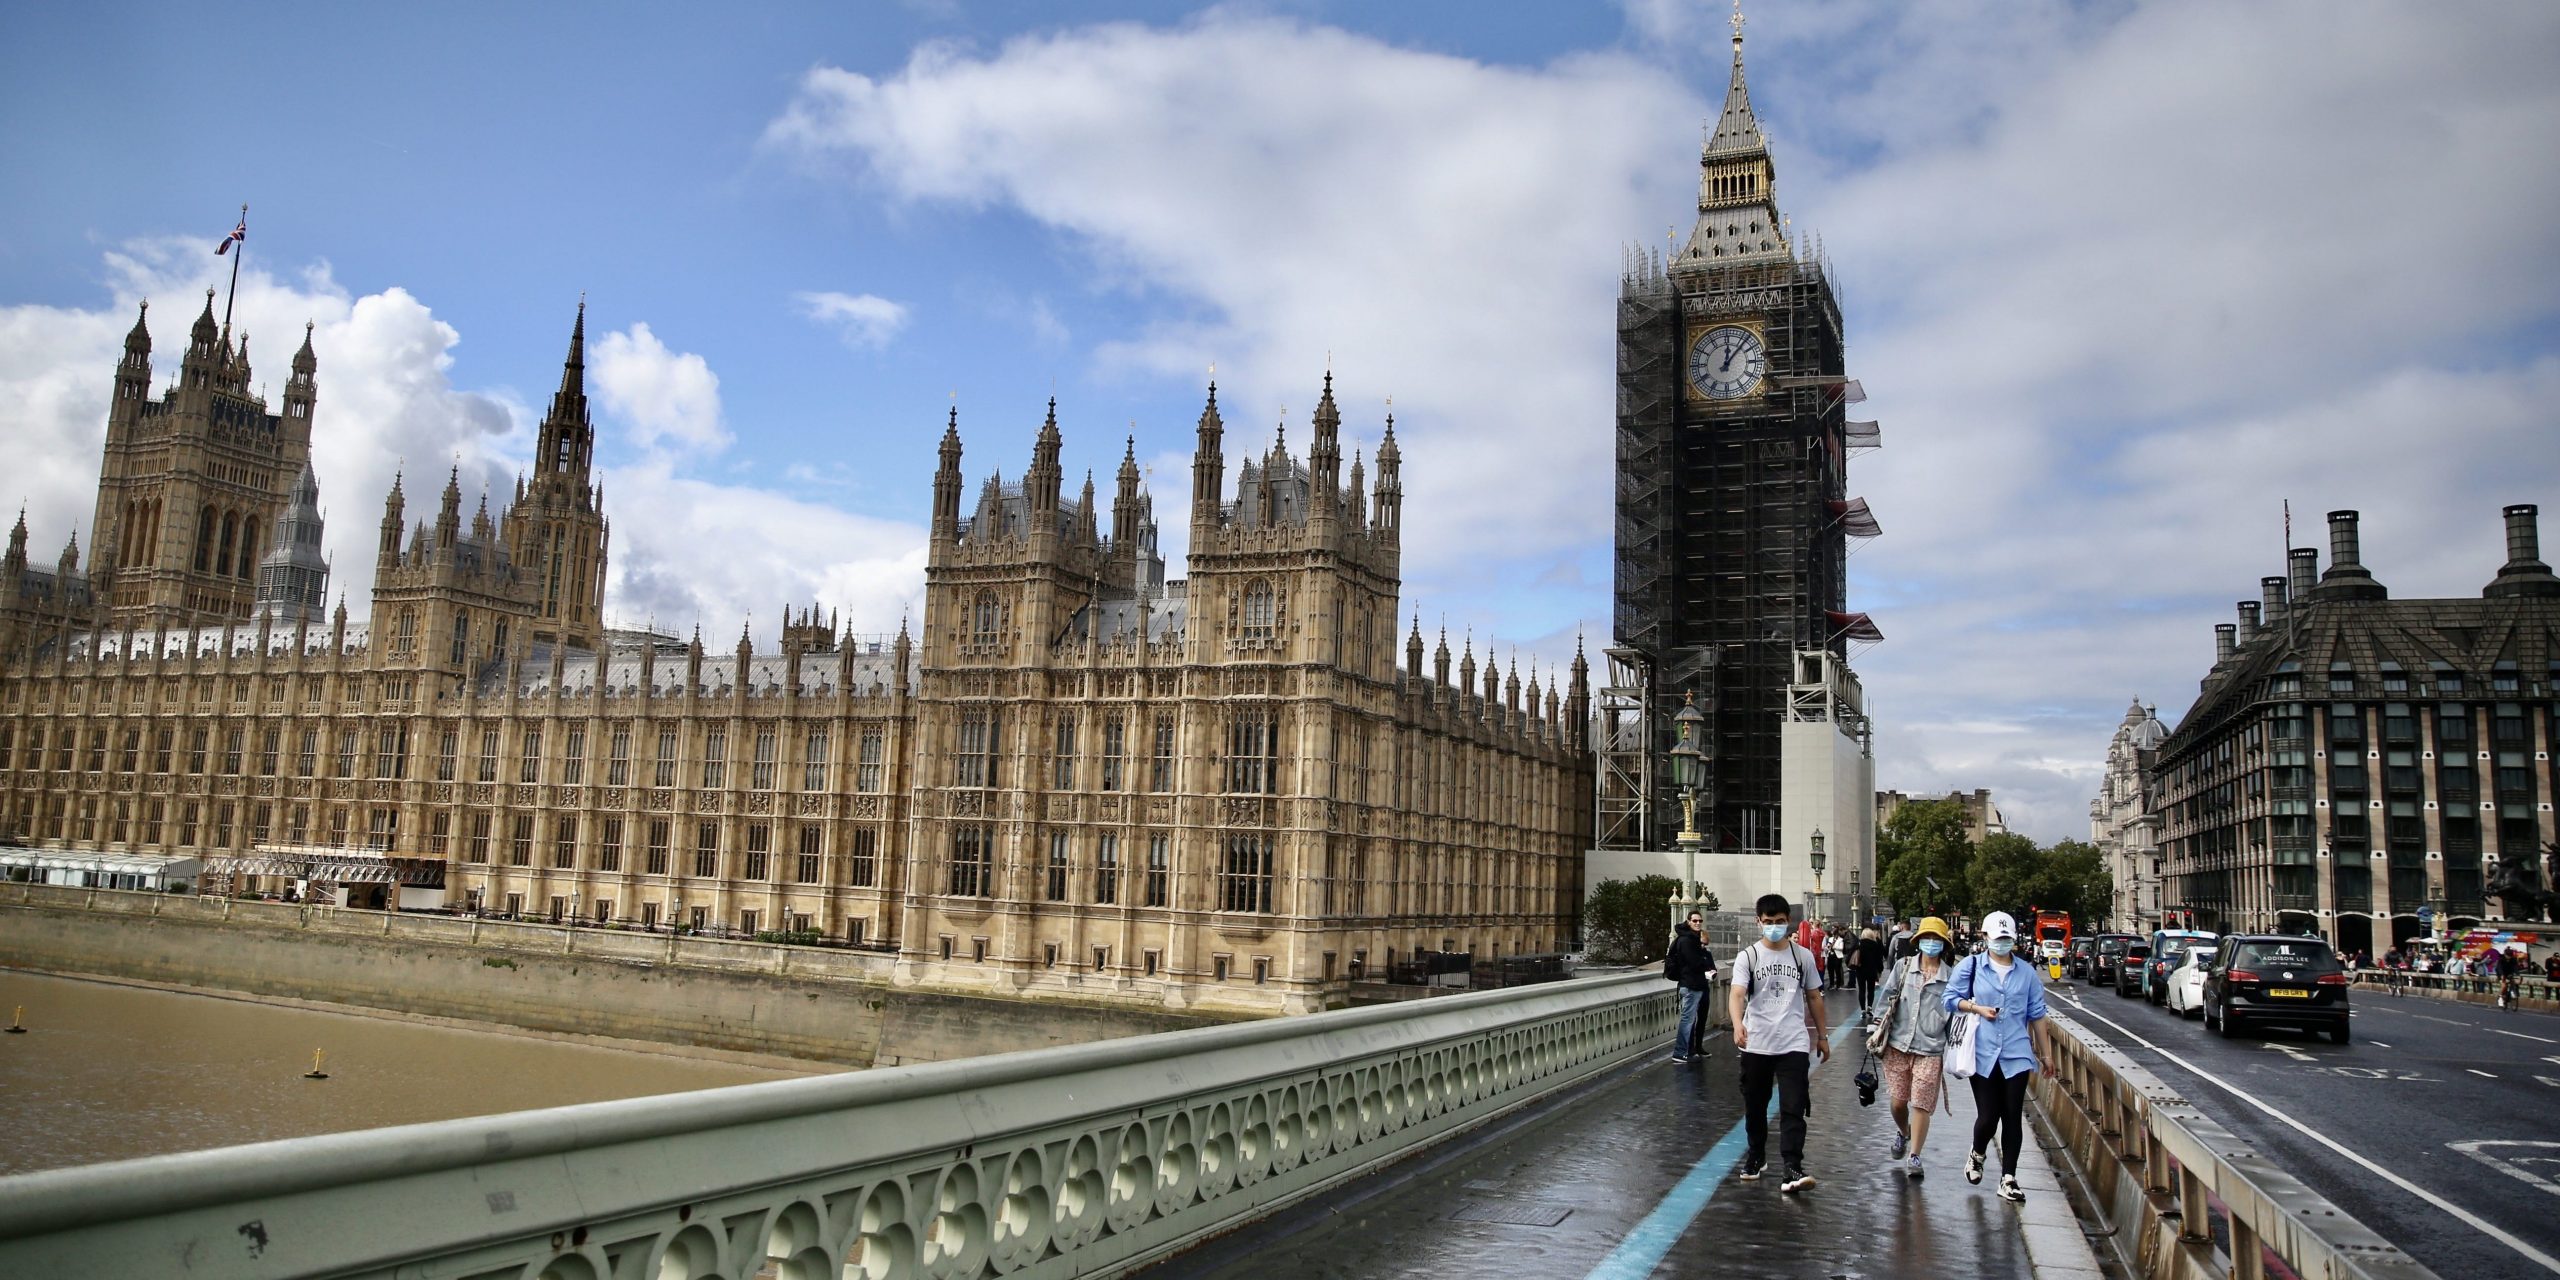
x=1819 y=858
x=1688 y=773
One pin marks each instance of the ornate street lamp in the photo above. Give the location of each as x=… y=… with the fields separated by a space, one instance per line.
x=1689 y=774
x=1818 y=860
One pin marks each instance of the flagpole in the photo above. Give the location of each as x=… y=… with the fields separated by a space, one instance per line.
x=239 y=250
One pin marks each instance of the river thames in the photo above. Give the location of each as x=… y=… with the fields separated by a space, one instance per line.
x=109 y=1072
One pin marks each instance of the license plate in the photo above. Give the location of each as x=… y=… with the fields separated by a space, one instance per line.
x=2288 y=993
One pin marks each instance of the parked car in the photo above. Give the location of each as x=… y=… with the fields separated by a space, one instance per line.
x=2168 y=949
x=2078 y=960
x=2276 y=980
x=2103 y=960
x=2185 y=983
x=2129 y=968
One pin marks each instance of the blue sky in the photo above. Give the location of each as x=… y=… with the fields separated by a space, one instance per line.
x=2117 y=278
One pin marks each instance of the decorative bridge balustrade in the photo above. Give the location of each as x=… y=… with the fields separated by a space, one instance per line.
x=1087 y=1160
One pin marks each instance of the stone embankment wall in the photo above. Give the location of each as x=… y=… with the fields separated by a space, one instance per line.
x=822 y=1005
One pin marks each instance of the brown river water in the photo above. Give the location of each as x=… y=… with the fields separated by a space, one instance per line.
x=109 y=1072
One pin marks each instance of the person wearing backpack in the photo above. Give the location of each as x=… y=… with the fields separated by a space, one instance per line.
x=2006 y=997
x=1778 y=1031
x=1693 y=966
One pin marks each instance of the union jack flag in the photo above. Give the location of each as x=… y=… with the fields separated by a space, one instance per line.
x=238 y=234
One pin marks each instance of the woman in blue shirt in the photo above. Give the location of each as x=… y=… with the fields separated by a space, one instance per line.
x=2006 y=997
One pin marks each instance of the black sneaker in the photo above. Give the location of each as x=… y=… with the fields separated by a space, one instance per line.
x=2011 y=1191
x=1750 y=1173
x=1973 y=1168
x=1797 y=1180
x=1679 y=1057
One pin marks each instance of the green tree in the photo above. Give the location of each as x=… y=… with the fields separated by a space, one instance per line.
x=1629 y=921
x=2076 y=880
x=1921 y=856
x=2006 y=874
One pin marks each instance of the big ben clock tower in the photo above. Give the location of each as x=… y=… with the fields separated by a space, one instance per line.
x=1732 y=513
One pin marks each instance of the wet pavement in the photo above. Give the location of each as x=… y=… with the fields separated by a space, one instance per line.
x=1632 y=1176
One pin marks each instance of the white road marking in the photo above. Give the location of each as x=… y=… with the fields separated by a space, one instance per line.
x=2480 y=1073
x=2377 y=1044
x=2279 y=1046
x=2549 y=1081
x=2482 y=1225
x=2522 y=1036
x=2432 y=1018
x=2472 y=1149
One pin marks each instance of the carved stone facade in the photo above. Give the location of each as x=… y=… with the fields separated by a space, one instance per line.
x=2122 y=824
x=1081 y=780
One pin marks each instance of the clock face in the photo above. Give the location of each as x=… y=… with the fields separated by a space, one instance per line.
x=1727 y=362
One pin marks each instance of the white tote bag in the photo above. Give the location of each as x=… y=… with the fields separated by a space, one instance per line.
x=1960 y=1031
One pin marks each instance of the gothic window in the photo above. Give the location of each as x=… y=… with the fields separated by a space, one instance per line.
x=866 y=777
x=1253 y=753
x=761 y=772
x=706 y=849
x=715 y=758
x=161 y=742
x=759 y=850
x=813 y=762
x=1159 y=870
x=129 y=758
x=1115 y=746
x=307 y=760
x=520 y=849
x=985 y=615
x=812 y=850
x=269 y=749
x=862 y=869
x=489 y=755
x=564 y=842
x=1106 y=868
x=573 y=756
x=391 y=750
x=665 y=772
x=1244 y=879
x=529 y=768
x=1160 y=774
x=204 y=539
x=404 y=633
x=972 y=853
x=609 y=849
x=1058 y=866
x=617 y=765
x=659 y=839
x=975 y=764
x=461 y=637
x=1066 y=756
x=1257 y=623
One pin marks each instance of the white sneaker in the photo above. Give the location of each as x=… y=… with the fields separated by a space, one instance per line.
x=2011 y=1191
x=1973 y=1168
x=1917 y=1173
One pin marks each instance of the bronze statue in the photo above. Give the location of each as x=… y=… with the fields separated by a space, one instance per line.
x=2521 y=891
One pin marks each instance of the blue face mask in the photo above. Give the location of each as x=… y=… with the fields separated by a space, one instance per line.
x=1931 y=946
x=2003 y=946
x=1774 y=932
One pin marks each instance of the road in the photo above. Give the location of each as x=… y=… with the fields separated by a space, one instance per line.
x=2438 y=1128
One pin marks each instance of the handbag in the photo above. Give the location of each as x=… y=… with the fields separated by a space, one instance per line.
x=1881 y=1033
x=1960 y=1030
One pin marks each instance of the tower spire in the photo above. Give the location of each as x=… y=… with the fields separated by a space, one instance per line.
x=1737 y=209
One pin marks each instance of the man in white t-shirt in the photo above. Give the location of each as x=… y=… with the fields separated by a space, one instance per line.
x=1778 y=1031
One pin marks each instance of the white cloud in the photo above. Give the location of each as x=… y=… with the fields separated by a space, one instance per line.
x=2120 y=278
x=864 y=321
x=1448 y=230
x=384 y=397
x=661 y=397
x=685 y=550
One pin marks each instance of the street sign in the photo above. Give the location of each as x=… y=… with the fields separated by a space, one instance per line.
x=2426 y=915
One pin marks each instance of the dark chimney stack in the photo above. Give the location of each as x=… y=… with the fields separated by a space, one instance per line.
x=2248 y=622
x=2272 y=600
x=2224 y=635
x=2347 y=578
x=2303 y=563
x=2525 y=574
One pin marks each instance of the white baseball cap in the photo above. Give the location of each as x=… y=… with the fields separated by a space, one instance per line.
x=1999 y=925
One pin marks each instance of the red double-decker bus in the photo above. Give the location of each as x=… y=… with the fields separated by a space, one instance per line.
x=2053 y=935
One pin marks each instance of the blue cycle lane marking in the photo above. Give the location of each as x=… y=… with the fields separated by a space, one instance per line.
x=1650 y=1242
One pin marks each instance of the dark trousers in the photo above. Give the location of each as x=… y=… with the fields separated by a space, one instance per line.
x=1866 y=989
x=2000 y=1101
x=1785 y=1071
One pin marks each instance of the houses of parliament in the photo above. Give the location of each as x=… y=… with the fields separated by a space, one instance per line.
x=1073 y=779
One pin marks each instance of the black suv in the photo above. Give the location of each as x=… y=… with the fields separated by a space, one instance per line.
x=2276 y=980
x=2103 y=959
x=2076 y=960
x=2129 y=967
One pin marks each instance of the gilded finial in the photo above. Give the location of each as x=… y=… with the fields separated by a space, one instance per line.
x=1737 y=26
